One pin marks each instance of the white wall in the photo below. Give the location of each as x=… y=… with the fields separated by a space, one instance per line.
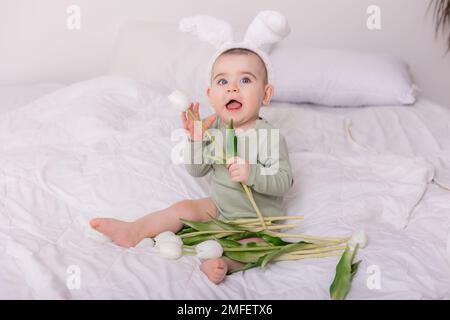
x=35 y=44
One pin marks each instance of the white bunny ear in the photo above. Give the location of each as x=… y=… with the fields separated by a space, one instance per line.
x=207 y=28
x=268 y=28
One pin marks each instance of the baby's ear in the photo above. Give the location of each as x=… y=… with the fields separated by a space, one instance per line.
x=268 y=94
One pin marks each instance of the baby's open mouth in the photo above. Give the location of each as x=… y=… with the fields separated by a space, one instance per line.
x=233 y=105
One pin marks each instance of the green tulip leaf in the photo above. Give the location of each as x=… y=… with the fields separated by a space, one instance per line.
x=227 y=243
x=345 y=270
x=185 y=230
x=202 y=226
x=244 y=235
x=273 y=240
x=246 y=256
x=247 y=266
x=257 y=245
x=250 y=245
x=226 y=226
x=355 y=267
x=190 y=241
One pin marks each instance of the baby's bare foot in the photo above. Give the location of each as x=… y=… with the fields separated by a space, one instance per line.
x=215 y=269
x=123 y=233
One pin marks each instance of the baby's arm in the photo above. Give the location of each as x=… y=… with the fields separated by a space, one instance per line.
x=279 y=178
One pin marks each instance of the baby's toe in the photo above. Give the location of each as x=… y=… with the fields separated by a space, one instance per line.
x=220 y=274
x=219 y=263
x=216 y=278
x=221 y=270
x=215 y=269
x=95 y=223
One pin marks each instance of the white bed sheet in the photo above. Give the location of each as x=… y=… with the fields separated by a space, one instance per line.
x=103 y=148
x=12 y=97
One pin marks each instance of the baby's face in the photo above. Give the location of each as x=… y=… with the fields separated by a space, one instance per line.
x=238 y=88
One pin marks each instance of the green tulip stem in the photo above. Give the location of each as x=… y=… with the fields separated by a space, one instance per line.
x=198 y=233
x=272 y=227
x=289 y=256
x=318 y=250
x=267 y=219
x=306 y=237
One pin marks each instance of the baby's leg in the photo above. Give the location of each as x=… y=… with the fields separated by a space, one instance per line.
x=216 y=269
x=129 y=234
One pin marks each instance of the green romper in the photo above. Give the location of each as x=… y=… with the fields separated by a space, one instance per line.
x=270 y=173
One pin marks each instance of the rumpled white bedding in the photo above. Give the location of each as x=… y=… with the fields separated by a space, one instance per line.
x=14 y=96
x=105 y=147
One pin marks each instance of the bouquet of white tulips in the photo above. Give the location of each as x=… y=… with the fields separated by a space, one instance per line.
x=272 y=248
x=217 y=238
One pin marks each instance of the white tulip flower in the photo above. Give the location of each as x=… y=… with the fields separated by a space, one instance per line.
x=168 y=236
x=179 y=101
x=164 y=234
x=209 y=249
x=170 y=250
x=359 y=238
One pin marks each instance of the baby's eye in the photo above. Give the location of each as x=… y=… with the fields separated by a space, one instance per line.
x=222 y=82
x=246 y=80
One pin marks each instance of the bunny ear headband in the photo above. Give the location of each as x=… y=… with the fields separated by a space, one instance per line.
x=267 y=29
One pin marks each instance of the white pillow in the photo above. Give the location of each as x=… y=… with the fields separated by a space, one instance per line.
x=158 y=54
x=340 y=78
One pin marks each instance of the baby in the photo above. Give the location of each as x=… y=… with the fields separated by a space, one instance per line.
x=238 y=89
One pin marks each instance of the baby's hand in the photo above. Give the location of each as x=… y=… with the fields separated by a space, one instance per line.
x=239 y=169
x=193 y=127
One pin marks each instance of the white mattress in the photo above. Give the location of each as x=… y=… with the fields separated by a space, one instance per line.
x=103 y=148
